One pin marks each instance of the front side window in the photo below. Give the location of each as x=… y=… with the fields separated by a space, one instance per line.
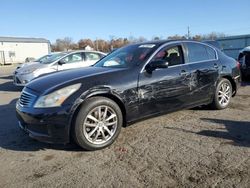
x=172 y=55
x=53 y=58
x=72 y=58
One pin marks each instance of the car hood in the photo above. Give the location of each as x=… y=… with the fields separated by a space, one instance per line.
x=31 y=66
x=51 y=81
x=25 y=64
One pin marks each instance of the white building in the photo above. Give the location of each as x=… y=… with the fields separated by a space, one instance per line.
x=88 y=48
x=16 y=49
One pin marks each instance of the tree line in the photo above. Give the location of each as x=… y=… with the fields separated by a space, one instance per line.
x=67 y=43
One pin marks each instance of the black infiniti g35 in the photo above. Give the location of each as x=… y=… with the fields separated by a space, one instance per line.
x=92 y=104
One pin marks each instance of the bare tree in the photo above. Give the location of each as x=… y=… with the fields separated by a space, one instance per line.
x=176 y=37
x=200 y=37
x=197 y=37
x=85 y=42
x=156 y=38
x=64 y=44
x=213 y=36
x=141 y=39
x=114 y=42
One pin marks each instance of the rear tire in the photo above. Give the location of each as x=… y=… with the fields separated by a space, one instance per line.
x=98 y=123
x=222 y=95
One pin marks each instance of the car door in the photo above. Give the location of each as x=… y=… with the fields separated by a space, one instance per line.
x=204 y=68
x=71 y=61
x=165 y=89
x=91 y=58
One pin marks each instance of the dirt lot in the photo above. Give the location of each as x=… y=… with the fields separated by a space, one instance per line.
x=189 y=148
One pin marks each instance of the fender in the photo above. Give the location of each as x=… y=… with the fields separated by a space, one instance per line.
x=95 y=91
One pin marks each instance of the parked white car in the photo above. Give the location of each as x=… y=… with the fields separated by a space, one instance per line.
x=40 y=60
x=56 y=62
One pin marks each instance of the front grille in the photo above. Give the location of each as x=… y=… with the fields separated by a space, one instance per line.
x=26 y=99
x=16 y=80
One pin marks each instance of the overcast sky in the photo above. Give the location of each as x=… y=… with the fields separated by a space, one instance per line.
x=52 y=19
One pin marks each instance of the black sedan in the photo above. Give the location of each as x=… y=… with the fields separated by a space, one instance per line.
x=138 y=81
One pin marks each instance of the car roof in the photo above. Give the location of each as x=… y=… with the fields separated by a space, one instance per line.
x=156 y=42
x=76 y=51
x=161 y=42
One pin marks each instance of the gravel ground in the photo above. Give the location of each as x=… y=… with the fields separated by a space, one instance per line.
x=189 y=148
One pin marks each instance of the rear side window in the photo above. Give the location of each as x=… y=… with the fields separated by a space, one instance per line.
x=90 y=56
x=198 y=52
x=211 y=53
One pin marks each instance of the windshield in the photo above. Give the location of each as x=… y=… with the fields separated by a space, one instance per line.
x=127 y=56
x=43 y=58
x=53 y=58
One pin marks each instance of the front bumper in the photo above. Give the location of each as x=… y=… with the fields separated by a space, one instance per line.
x=49 y=125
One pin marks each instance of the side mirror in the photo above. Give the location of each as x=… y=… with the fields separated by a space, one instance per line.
x=156 y=64
x=61 y=62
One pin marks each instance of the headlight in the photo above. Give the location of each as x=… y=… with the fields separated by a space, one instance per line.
x=28 y=71
x=56 y=98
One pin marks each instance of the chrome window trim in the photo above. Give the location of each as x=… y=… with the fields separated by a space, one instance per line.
x=185 y=63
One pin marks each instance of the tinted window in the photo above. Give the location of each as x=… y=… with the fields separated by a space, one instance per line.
x=247 y=59
x=197 y=52
x=171 y=55
x=211 y=53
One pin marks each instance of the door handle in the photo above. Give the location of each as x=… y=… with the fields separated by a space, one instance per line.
x=216 y=66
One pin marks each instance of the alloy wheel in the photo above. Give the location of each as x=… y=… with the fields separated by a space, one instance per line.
x=224 y=94
x=100 y=125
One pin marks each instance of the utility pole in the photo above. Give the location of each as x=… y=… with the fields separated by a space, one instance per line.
x=97 y=44
x=188 y=35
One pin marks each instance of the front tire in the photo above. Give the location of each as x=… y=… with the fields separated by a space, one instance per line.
x=222 y=95
x=98 y=123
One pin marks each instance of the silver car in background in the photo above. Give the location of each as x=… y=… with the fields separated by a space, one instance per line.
x=56 y=62
x=39 y=60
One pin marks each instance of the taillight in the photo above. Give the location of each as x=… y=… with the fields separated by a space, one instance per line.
x=238 y=64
